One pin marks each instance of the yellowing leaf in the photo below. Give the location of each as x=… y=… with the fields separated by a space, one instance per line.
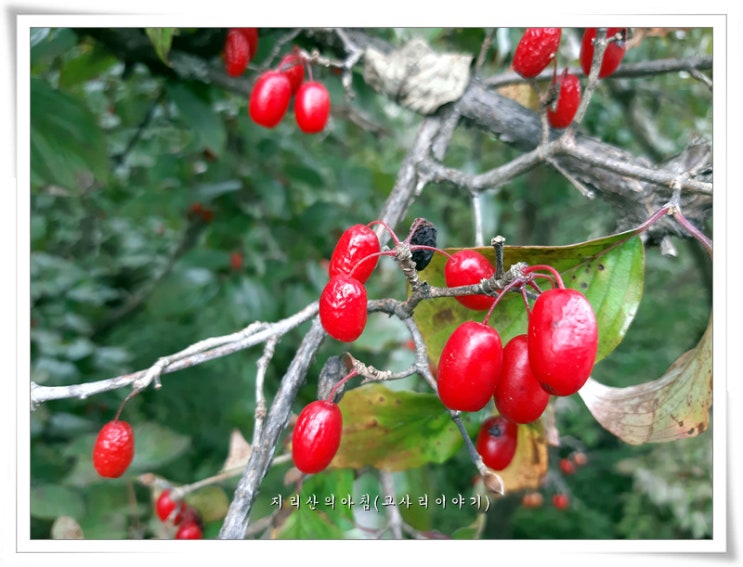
x=675 y=406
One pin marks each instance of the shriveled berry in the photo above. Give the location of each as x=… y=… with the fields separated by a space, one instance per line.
x=468 y=267
x=270 y=98
x=312 y=107
x=236 y=52
x=535 y=50
x=189 y=530
x=612 y=56
x=518 y=394
x=168 y=509
x=356 y=243
x=424 y=235
x=343 y=309
x=497 y=441
x=562 y=340
x=114 y=449
x=316 y=436
x=469 y=367
x=568 y=100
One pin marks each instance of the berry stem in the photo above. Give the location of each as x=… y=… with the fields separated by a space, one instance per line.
x=334 y=389
x=415 y=247
x=369 y=257
x=550 y=269
x=121 y=407
x=387 y=227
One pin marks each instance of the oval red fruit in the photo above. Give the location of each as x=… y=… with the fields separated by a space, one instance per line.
x=312 y=107
x=316 y=436
x=612 y=56
x=518 y=394
x=560 y=501
x=167 y=508
x=114 y=449
x=236 y=52
x=469 y=366
x=562 y=340
x=189 y=530
x=497 y=441
x=356 y=243
x=536 y=49
x=270 y=98
x=292 y=66
x=468 y=267
x=251 y=34
x=568 y=100
x=343 y=310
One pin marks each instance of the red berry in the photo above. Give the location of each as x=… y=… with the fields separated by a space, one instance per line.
x=518 y=394
x=580 y=458
x=568 y=100
x=166 y=506
x=343 y=309
x=251 y=34
x=236 y=52
x=189 y=530
x=469 y=366
x=114 y=449
x=562 y=340
x=236 y=260
x=293 y=67
x=567 y=466
x=312 y=107
x=496 y=442
x=270 y=98
x=316 y=436
x=537 y=47
x=532 y=500
x=468 y=267
x=612 y=56
x=560 y=501
x=356 y=243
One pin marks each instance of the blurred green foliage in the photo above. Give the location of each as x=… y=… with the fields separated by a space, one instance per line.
x=122 y=274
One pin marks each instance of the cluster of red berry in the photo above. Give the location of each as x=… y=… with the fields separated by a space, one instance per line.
x=560 y=499
x=538 y=48
x=274 y=88
x=178 y=513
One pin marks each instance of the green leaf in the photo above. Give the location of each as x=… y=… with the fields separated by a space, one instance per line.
x=198 y=115
x=609 y=271
x=394 y=430
x=674 y=406
x=161 y=39
x=156 y=446
x=50 y=502
x=66 y=141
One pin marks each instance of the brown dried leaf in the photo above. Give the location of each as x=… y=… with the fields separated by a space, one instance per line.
x=239 y=452
x=529 y=465
x=675 y=406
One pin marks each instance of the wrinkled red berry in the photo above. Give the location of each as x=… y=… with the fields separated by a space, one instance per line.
x=316 y=436
x=468 y=267
x=343 y=309
x=518 y=394
x=312 y=107
x=236 y=52
x=535 y=50
x=612 y=56
x=497 y=441
x=114 y=449
x=356 y=243
x=562 y=340
x=469 y=367
x=568 y=100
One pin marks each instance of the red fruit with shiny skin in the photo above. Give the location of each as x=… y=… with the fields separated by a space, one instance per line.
x=292 y=66
x=497 y=441
x=114 y=449
x=562 y=340
x=251 y=34
x=270 y=98
x=312 y=107
x=568 y=100
x=236 y=52
x=189 y=530
x=165 y=506
x=518 y=394
x=612 y=56
x=468 y=267
x=343 y=309
x=316 y=436
x=535 y=50
x=469 y=366
x=356 y=243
